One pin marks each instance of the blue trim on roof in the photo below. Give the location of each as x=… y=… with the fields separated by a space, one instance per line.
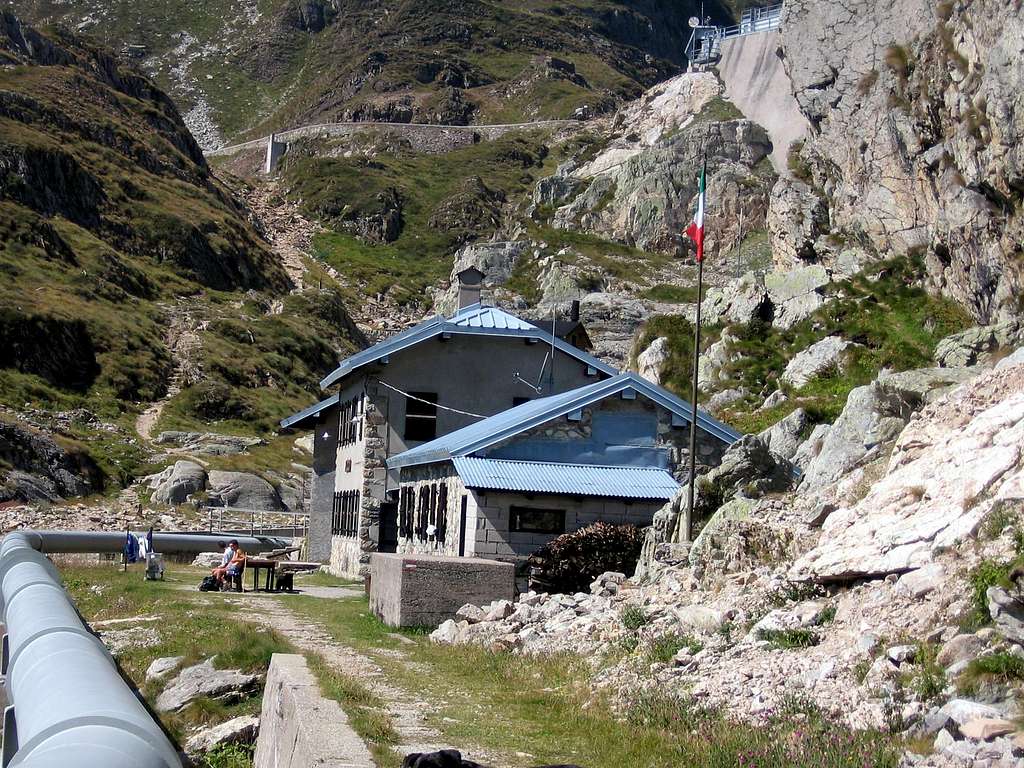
x=613 y=482
x=475 y=319
x=501 y=426
x=313 y=410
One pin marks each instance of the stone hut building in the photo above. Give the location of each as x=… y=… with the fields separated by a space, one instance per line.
x=416 y=386
x=610 y=451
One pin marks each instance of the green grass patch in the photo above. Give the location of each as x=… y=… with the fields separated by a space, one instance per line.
x=194 y=625
x=790 y=638
x=546 y=710
x=664 y=647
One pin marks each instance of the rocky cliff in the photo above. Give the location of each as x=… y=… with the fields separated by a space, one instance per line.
x=131 y=275
x=917 y=117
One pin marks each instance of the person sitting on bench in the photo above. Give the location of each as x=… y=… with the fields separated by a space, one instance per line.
x=236 y=567
x=220 y=572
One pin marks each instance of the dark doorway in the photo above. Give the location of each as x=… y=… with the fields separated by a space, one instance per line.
x=388 y=527
x=462 y=528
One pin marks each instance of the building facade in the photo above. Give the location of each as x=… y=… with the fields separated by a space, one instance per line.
x=416 y=386
x=611 y=451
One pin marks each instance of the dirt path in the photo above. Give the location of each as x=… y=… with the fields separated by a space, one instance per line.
x=408 y=713
x=183 y=341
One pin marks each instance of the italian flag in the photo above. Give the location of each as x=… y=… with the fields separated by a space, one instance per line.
x=696 y=229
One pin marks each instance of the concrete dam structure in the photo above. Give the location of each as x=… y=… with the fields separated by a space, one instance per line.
x=756 y=82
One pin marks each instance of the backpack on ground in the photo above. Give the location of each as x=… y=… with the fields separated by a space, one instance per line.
x=209 y=584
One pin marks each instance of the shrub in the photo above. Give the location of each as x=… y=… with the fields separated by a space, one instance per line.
x=789 y=638
x=988 y=573
x=927 y=678
x=664 y=647
x=570 y=562
x=634 y=617
x=228 y=756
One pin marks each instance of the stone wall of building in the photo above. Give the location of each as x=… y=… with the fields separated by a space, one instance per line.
x=431 y=476
x=490 y=513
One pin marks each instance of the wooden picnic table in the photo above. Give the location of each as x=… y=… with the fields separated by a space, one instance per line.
x=275 y=569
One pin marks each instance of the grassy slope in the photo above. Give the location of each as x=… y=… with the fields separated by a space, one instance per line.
x=281 y=71
x=108 y=215
x=894 y=320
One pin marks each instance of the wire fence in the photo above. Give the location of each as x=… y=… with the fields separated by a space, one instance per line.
x=256 y=522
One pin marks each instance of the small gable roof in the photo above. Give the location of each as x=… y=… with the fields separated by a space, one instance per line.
x=471 y=320
x=501 y=426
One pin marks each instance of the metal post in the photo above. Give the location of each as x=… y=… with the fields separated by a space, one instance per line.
x=693 y=403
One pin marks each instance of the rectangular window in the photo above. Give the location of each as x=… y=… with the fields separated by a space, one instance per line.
x=345 y=515
x=529 y=520
x=421 y=416
x=350 y=422
x=519 y=401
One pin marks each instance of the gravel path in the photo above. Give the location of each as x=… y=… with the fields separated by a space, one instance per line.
x=408 y=712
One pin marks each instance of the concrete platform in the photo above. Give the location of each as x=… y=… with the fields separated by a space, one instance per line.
x=299 y=728
x=425 y=590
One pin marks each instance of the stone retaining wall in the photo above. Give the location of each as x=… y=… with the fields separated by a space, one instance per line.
x=422 y=136
x=299 y=727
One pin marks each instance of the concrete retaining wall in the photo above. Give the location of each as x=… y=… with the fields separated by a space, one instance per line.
x=299 y=727
x=423 y=137
x=757 y=83
x=425 y=590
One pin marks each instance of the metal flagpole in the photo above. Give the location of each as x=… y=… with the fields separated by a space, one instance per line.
x=696 y=357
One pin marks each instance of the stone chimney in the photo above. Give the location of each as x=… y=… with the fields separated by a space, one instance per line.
x=470 y=283
x=574 y=313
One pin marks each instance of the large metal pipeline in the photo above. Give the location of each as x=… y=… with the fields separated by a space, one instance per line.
x=67 y=542
x=70 y=706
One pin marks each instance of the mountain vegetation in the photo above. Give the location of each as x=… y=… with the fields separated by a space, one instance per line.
x=271 y=64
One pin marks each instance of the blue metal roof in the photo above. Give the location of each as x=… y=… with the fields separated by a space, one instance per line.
x=311 y=412
x=501 y=426
x=475 y=319
x=570 y=479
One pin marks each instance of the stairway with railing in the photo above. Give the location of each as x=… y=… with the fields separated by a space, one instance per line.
x=705 y=45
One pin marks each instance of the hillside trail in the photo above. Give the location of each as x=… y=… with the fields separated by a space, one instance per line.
x=183 y=341
x=289 y=233
x=408 y=712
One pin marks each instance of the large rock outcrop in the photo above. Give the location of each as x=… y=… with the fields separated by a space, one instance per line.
x=952 y=465
x=39 y=469
x=917 y=111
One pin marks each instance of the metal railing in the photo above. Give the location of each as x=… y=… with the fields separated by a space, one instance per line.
x=705 y=43
x=256 y=522
x=69 y=704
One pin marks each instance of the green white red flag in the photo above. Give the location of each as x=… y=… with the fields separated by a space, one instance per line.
x=696 y=229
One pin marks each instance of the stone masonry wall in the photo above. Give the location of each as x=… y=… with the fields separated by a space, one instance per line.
x=424 y=477
x=491 y=513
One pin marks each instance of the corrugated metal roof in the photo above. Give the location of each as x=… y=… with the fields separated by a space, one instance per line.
x=501 y=426
x=569 y=479
x=311 y=412
x=475 y=319
x=477 y=316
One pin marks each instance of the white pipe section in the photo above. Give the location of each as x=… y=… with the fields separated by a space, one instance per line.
x=70 y=705
x=65 y=542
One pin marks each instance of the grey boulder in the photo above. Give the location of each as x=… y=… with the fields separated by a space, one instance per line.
x=176 y=483
x=242 y=489
x=203 y=680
